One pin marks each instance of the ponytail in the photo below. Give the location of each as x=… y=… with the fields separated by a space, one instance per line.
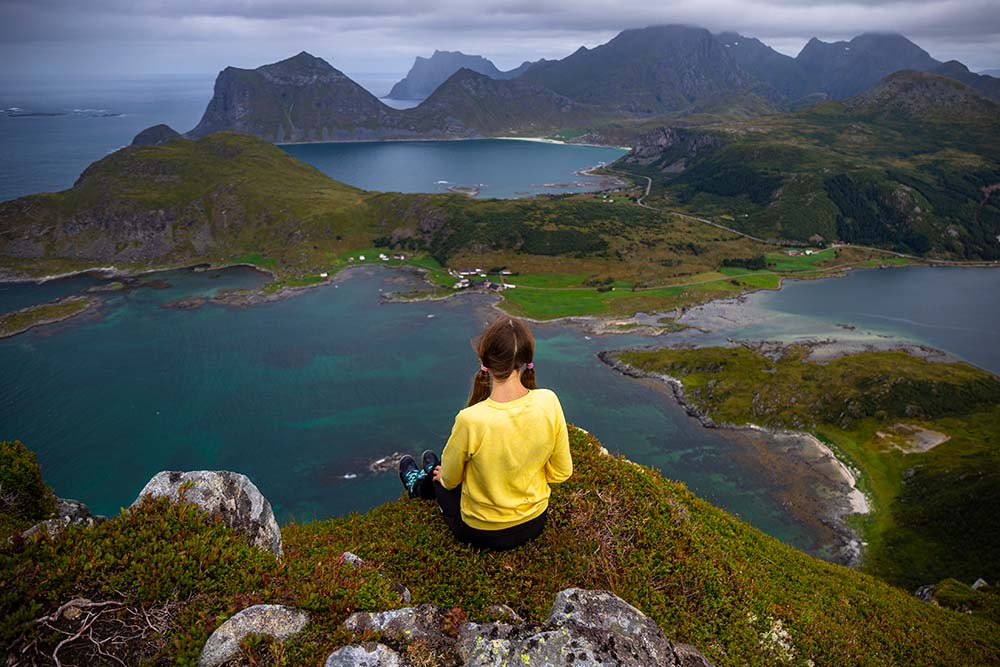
x=480 y=387
x=528 y=376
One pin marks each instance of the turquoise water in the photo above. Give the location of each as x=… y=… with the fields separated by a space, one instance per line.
x=500 y=168
x=302 y=394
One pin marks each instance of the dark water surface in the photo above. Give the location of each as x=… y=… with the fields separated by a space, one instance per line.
x=302 y=394
x=952 y=309
x=498 y=167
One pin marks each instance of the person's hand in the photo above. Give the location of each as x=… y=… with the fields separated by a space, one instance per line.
x=436 y=474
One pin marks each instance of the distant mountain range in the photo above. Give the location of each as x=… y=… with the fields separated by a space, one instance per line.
x=640 y=75
x=304 y=99
x=429 y=73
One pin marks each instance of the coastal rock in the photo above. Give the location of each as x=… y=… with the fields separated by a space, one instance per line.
x=263 y=619
x=584 y=627
x=230 y=495
x=68 y=513
x=364 y=655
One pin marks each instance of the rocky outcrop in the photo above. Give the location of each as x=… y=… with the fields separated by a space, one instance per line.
x=229 y=495
x=68 y=513
x=671 y=148
x=274 y=620
x=156 y=135
x=584 y=627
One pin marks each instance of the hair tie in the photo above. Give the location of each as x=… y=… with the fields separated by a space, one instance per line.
x=483 y=368
x=530 y=366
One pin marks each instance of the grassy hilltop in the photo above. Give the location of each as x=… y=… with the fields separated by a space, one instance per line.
x=739 y=596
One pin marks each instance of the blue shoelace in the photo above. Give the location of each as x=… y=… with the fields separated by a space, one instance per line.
x=412 y=476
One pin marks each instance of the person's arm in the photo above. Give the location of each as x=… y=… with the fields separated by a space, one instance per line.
x=455 y=454
x=559 y=467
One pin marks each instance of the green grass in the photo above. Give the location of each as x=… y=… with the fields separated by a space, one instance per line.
x=782 y=261
x=706 y=578
x=256 y=259
x=930 y=520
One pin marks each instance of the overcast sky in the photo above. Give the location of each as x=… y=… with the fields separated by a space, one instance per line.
x=136 y=37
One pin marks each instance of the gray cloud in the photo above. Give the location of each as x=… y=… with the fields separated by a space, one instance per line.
x=385 y=35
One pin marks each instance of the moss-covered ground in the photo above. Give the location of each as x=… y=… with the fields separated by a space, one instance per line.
x=704 y=576
x=933 y=516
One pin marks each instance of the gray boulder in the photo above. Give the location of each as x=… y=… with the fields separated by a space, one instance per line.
x=401 y=625
x=584 y=628
x=230 y=495
x=364 y=655
x=68 y=513
x=262 y=619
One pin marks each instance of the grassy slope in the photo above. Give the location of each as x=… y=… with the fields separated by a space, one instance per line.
x=935 y=524
x=705 y=577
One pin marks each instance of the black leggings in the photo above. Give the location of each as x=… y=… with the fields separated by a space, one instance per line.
x=450 y=502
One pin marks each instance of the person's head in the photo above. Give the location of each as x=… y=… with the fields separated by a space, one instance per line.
x=505 y=347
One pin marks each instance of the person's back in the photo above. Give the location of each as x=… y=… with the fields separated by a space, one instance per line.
x=506 y=447
x=509 y=453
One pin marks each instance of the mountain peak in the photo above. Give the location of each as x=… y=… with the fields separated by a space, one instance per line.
x=925 y=97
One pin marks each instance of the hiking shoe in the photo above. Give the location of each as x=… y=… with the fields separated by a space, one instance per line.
x=429 y=460
x=409 y=473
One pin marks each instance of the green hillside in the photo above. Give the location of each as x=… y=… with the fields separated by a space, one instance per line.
x=925 y=436
x=739 y=596
x=908 y=165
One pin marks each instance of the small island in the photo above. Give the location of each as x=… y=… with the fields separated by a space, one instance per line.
x=19 y=321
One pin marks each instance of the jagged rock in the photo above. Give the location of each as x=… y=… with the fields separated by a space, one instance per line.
x=926 y=593
x=353 y=559
x=980 y=583
x=364 y=655
x=262 y=619
x=229 y=495
x=583 y=628
x=68 y=513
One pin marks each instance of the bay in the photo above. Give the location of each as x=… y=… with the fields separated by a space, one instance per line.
x=302 y=394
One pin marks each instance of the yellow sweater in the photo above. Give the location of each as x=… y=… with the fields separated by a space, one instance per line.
x=505 y=455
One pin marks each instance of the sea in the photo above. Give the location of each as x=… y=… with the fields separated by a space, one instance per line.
x=51 y=130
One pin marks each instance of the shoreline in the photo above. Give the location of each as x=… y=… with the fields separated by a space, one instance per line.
x=811 y=452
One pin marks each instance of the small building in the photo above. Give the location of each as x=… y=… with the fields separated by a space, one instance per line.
x=810 y=252
x=506 y=272
x=400 y=256
x=361 y=258
x=324 y=275
x=384 y=257
x=350 y=260
x=793 y=253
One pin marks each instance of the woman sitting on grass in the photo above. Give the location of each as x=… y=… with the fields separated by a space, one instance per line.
x=508 y=444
